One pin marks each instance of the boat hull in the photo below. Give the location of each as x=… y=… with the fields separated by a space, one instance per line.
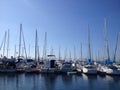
x=89 y=71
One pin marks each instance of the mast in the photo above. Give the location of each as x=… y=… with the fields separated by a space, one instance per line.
x=45 y=46
x=36 y=46
x=65 y=57
x=106 y=40
x=24 y=42
x=29 y=52
x=20 y=40
x=15 y=52
x=8 y=43
x=98 y=55
x=70 y=55
x=116 y=47
x=59 y=53
x=81 y=51
x=74 y=53
x=4 y=43
x=38 y=54
x=95 y=58
x=22 y=54
x=89 y=49
x=51 y=52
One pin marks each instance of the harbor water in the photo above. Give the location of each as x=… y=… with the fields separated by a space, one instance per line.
x=58 y=82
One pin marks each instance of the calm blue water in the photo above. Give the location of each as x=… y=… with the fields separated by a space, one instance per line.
x=58 y=82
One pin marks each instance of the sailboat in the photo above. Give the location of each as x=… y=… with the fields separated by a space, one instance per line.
x=68 y=66
x=89 y=68
x=21 y=61
x=50 y=64
x=32 y=65
x=79 y=63
x=8 y=64
x=45 y=67
x=109 y=67
x=116 y=63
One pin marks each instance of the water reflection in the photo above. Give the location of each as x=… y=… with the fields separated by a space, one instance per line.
x=32 y=82
x=109 y=78
x=67 y=79
x=20 y=81
x=91 y=81
x=58 y=82
x=7 y=81
x=89 y=77
x=49 y=81
x=113 y=82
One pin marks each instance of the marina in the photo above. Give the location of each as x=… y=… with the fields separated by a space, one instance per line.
x=60 y=45
x=50 y=64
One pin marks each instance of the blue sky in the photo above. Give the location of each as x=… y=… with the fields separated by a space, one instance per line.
x=65 y=21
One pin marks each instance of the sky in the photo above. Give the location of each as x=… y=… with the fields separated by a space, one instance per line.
x=66 y=23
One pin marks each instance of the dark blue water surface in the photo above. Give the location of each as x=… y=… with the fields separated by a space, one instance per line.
x=58 y=82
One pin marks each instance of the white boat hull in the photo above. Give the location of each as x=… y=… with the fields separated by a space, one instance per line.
x=89 y=69
x=110 y=71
